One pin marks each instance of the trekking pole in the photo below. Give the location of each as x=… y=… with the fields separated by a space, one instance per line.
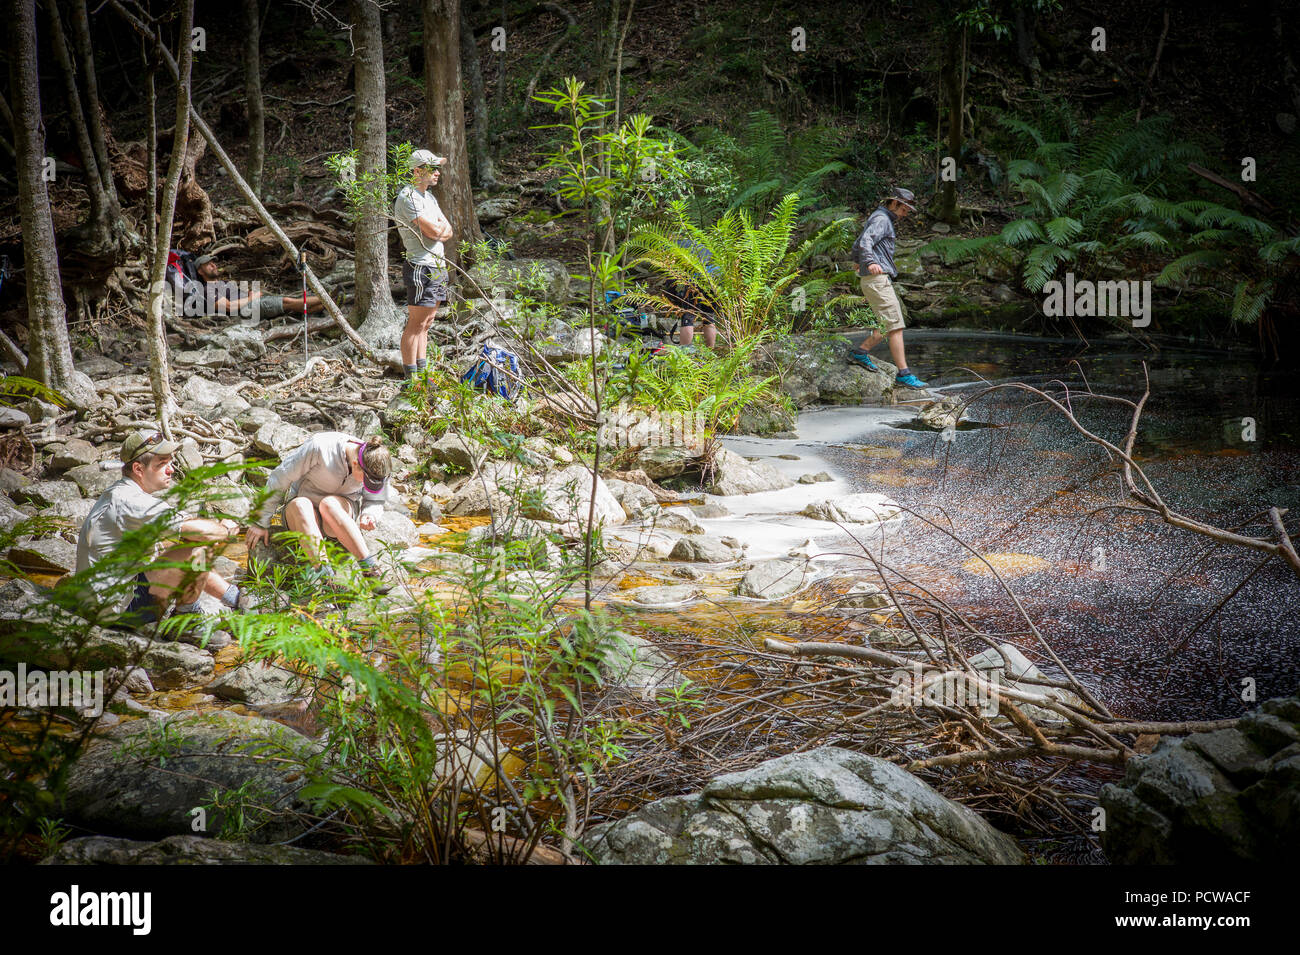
x=302 y=267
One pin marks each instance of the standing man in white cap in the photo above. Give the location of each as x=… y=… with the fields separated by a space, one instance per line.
x=873 y=251
x=129 y=505
x=423 y=229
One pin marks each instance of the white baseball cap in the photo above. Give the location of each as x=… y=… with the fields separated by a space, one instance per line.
x=422 y=157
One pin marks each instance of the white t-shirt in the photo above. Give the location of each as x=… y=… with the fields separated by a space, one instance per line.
x=124 y=507
x=316 y=470
x=410 y=205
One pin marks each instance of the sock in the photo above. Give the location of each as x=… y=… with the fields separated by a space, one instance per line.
x=902 y=372
x=188 y=608
x=367 y=562
x=410 y=370
x=420 y=365
x=231 y=597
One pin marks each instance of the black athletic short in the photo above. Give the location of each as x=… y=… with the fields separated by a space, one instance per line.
x=426 y=286
x=143 y=608
x=691 y=304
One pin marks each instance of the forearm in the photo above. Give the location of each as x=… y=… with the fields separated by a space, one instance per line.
x=206 y=530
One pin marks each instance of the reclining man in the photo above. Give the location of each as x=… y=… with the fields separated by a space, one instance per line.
x=221 y=297
x=129 y=505
x=333 y=484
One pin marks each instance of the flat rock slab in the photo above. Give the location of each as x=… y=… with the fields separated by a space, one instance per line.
x=47 y=493
x=189 y=850
x=258 y=684
x=733 y=475
x=866 y=508
x=279 y=437
x=829 y=806
x=702 y=549
x=125 y=786
x=51 y=555
x=93 y=479
x=772 y=580
x=657 y=596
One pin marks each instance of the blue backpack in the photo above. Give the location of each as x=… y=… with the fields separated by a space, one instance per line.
x=486 y=373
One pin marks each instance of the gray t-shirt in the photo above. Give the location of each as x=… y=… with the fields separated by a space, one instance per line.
x=123 y=507
x=409 y=205
x=875 y=245
x=317 y=469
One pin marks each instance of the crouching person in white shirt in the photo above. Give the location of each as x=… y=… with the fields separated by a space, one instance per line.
x=333 y=485
x=129 y=505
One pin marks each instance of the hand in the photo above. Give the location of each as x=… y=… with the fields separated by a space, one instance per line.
x=875 y=269
x=366 y=522
x=256 y=535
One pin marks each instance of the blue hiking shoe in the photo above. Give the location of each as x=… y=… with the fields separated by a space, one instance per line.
x=863 y=359
x=909 y=380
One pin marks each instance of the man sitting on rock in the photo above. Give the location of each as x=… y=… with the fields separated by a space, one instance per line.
x=129 y=505
x=220 y=297
x=333 y=484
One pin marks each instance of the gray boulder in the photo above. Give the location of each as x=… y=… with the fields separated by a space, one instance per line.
x=772 y=580
x=829 y=806
x=866 y=508
x=252 y=418
x=14 y=418
x=202 y=393
x=637 y=663
x=189 y=850
x=496 y=208
x=655 y=595
x=49 y=555
x=47 y=493
x=566 y=496
x=635 y=499
x=256 y=683
x=94 y=479
x=667 y=461
x=1227 y=797
x=73 y=453
x=279 y=437
x=732 y=475
x=679 y=519
x=395 y=530
x=145 y=777
x=456 y=451
x=702 y=549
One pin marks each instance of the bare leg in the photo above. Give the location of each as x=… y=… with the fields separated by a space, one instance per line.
x=301 y=517
x=685 y=335
x=293 y=303
x=870 y=342
x=896 y=348
x=185 y=585
x=417 y=327
x=422 y=343
x=337 y=515
x=710 y=334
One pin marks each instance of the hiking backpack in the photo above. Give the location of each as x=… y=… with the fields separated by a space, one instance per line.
x=487 y=374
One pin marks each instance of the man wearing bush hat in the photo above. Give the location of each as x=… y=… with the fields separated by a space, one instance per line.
x=130 y=504
x=874 y=254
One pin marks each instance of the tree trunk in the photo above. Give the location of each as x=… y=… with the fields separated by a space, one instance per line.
x=159 y=367
x=151 y=152
x=484 y=169
x=253 y=92
x=98 y=228
x=90 y=87
x=380 y=318
x=49 y=351
x=952 y=87
x=444 y=120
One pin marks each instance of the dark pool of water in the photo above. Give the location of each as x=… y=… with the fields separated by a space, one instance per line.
x=1124 y=594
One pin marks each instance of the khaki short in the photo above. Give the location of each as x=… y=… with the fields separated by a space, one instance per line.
x=354 y=509
x=882 y=298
